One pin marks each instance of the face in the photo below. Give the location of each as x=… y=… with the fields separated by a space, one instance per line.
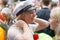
x=53 y=22
x=29 y=16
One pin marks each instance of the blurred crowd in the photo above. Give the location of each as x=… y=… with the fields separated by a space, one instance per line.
x=29 y=19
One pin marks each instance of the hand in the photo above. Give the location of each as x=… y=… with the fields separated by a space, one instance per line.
x=20 y=23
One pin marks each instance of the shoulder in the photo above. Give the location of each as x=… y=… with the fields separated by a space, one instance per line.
x=13 y=30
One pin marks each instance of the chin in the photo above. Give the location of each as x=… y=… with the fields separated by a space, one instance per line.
x=31 y=22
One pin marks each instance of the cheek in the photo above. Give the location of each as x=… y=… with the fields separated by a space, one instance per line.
x=27 y=18
x=53 y=24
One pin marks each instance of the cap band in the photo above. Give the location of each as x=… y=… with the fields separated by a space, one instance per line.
x=23 y=10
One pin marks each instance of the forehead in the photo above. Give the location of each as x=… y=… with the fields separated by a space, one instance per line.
x=31 y=11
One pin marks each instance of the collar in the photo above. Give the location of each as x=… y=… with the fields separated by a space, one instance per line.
x=44 y=6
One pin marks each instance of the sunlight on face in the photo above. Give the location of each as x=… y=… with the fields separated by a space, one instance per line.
x=53 y=22
x=29 y=16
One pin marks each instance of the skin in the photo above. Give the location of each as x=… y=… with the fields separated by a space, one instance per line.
x=53 y=22
x=29 y=16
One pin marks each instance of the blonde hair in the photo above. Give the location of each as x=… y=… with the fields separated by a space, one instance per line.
x=55 y=13
x=20 y=17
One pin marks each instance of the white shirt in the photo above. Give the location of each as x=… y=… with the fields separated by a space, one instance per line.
x=14 y=31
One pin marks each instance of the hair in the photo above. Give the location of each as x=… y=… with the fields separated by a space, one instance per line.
x=55 y=13
x=20 y=17
x=53 y=4
x=5 y=2
x=46 y=2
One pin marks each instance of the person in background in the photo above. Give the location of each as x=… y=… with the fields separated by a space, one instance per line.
x=44 y=13
x=25 y=22
x=58 y=3
x=2 y=4
x=2 y=30
x=7 y=14
x=18 y=1
x=38 y=5
x=52 y=5
x=2 y=24
x=3 y=27
x=54 y=21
